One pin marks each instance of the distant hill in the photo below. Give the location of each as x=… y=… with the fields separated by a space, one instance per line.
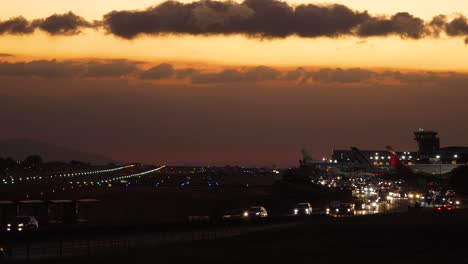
x=19 y=149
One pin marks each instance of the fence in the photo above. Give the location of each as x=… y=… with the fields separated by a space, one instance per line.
x=91 y=246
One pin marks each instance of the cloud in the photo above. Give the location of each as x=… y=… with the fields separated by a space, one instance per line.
x=6 y=55
x=331 y=20
x=257 y=74
x=16 y=26
x=403 y=24
x=49 y=69
x=251 y=18
x=353 y=75
x=457 y=27
x=113 y=68
x=39 y=68
x=62 y=24
x=133 y=70
x=438 y=24
x=161 y=71
x=295 y=74
x=259 y=18
x=57 y=24
x=185 y=73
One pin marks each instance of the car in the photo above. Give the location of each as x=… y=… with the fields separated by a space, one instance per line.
x=453 y=201
x=333 y=207
x=302 y=209
x=440 y=200
x=359 y=204
x=256 y=212
x=23 y=223
x=444 y=208
x=414 y=195
x=345 y=209
x=450 y=193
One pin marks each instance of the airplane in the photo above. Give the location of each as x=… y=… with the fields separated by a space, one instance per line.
x=345 y=169
x=428 y=168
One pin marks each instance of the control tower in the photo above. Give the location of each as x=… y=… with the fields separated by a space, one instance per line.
x=428 y=142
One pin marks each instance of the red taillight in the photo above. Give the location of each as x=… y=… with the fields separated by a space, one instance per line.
x=448 y=208
x=438 y=208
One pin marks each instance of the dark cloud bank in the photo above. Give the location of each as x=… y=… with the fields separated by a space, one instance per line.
x=126 y=69
x=254 y=18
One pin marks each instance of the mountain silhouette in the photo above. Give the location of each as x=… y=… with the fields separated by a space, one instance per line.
x=19 y=149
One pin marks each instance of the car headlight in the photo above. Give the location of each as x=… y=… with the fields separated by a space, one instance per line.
x=336 y=209
x=257 y=213
x=349 y=210
x=20 y=229
x=307 y=210
x=9 y=225
x=457 y=202
x=20 y=225
x=246 y=214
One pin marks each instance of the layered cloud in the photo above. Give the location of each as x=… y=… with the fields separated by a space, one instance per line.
x=253 y=18
x=48 y=69
x=141 y=72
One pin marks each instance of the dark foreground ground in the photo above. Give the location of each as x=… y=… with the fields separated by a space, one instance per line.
x=404 y=238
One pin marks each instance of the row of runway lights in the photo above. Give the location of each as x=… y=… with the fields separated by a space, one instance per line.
x=65 y=175
x=99 y=183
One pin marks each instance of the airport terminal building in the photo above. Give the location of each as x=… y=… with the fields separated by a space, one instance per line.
x=429 y=150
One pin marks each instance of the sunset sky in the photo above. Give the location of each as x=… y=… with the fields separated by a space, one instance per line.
x=247 y=83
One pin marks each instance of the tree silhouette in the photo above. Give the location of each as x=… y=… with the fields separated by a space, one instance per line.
x=33 y=160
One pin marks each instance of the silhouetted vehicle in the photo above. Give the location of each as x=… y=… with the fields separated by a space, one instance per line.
x=402 y=194
x=359 y=204
x=444 y=208
x=453 y=201
x=2 y=254
x=256 y=212
x=302 y=209
x=23 y=223
x=450 y=193
x=333 y=207
x=345 y=209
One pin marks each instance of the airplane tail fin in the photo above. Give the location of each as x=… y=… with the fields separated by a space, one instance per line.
x=396 y=163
